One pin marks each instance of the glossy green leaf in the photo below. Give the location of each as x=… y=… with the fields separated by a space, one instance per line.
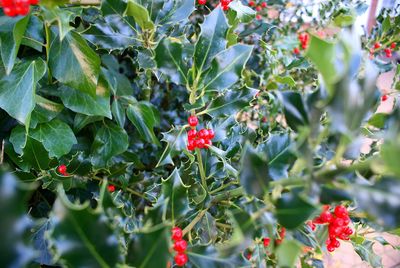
x=226 y=68
x=367 y=254
x=293 y=209
x=56 y=136
x=83 y=103
x=176 y=143
x=288 y=80
x=140 y=15
x=254 y=175
x=60 y=17
x=82 y=238
x=34 y=34
x=74 y=63
x=211 y=40
x=17 y=90
x=118 y=112
x=150 y=249
x=288 y=253
x=12 y=31
x=242 y=12
x=295 y=110
x=112 y=33
x=170 y=60
x=110 y=140
x=144 y=117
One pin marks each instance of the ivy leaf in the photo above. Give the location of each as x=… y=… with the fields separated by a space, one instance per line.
x=17 y=90
x=175 y=194
x=149 y=249
x=83 y=103
x=118 y=112
x=170 y=60
x=292 y=210
x=56 y=136
x=288 y=253
x=140 y=15
x=295 y=110
x=111 y=33
x=144 y=117
x=12 y=31
x=226 y=68
x=280 y=157
x=34 y=35
x=110 y=140
x=45 y=110
x=81 y=237
x=74 y=63
x=211 y=40
x=254 y=172
x=231 y=102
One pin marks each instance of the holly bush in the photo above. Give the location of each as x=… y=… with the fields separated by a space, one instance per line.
x=204 y=134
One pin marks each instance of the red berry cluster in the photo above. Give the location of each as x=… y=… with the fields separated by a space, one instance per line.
x=304 y=38
x=224 y=3
x=111 y=188
x=279 y=240
x=259 y=8
x=14 y=8
x=180 y=246
x=62 y=169
x=338 y=222
x=388 y=50
x=202 y=138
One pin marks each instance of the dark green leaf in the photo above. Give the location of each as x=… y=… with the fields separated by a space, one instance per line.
x=45 y=110
x=140 y=15
x=288 y=253
x=367 y=254
x=295 y=110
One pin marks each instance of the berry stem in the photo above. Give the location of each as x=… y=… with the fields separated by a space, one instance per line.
x=47 y=32
x=201 y=169
x=196 y=219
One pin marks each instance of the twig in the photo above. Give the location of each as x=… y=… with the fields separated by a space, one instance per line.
x=2 y=152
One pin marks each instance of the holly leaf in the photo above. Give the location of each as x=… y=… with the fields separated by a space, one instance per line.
x=288 y=253
x=295 y=110
x=170 y=59
x=149 y=249
x=140 y=15
x=60 y=17
x=81 y=237
x=367 y=254
x=17 y=90
x=144 y=117
x=111 y=33
x=230 y=102
x=74 y=63
x=176 y=143
x=226 y=68
x=211 y=40
x=175 y=194
x=110 y=140
x=12 y=31
x=241 y=12
x=56 y=136
x=293 y=209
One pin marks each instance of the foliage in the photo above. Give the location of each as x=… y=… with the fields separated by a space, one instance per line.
x=107 y=90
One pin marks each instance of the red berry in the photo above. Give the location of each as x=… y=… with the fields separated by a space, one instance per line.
x=326 y=216
x=180 y=246
x=341 y=211
x=225 y=2
x=7 y=3
x=330 y=248
x=34 y=2
x=334 y=230
x=252 y=3
x=318 y=220
x=304 y=46
x=22 y=2
x=258 y=17
x=296 y=50
x=343 y=236
x=338 y=222
x=264 y=4
x=203 y=134
x=225 y=7
x=191 y=145
x=10 y=11
x=393 y=45
x=282 y=233
x=211 y=134
x=377 y=45
x=266 y=241
x=248 y=256
x=181 y=259
x=22 y=10
x=62 y=169
x=193 y=121
x=207 y=143
x=326 y=207
x=176 y=234
x=311 y=225
x=192 y=134
x=347 y=231
x=202 y=2
x=335 y=243
x=258 y=8
x=111 y=188
x=200 y=143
